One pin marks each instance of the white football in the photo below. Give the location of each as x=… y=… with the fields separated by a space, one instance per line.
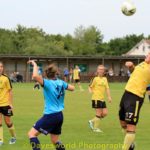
x=128 y=8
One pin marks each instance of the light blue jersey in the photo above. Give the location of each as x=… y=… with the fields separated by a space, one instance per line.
x=54 y=93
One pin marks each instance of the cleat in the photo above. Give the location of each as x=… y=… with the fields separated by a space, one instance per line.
x=132 y=146
x=1 y=143
x=97 y=130
x=91 y=124
x=12 y=140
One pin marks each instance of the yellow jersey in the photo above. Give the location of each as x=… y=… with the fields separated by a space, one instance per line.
x=76 y=73
x=139 y=80
x=5 y=86
x=99 y=86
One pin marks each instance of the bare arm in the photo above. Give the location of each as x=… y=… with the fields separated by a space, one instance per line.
x=108 y=95
x=90 y=90
x=35 y=75
x=10 y=98
x=70 y=87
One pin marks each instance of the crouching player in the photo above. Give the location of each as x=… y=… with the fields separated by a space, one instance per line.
x=98 y=87
x=54 y=92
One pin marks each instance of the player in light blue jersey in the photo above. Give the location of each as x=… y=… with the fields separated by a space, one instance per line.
x=52 y=120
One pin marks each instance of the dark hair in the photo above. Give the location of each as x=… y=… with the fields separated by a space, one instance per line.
x=51 y=71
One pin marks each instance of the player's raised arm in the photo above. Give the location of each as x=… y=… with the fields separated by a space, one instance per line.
x=35 y=75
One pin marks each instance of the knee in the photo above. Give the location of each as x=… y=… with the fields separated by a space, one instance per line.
x=124 y=126
x=30 y=135
x=9 y=125
x=104 y=114
x=131 y=128
x=54 y=141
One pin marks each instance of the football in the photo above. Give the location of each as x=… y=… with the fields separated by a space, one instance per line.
x=128 y=8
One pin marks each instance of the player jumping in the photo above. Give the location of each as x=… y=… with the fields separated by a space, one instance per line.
x=132 y=100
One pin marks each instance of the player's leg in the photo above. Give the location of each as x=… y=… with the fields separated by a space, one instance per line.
x=79 y=85
x=129 y=137
x=95 y=122
x=7 y=112
x=1 y=130
x=124 y=126
x=104 y=109
x=56 y=142
x=55 y=130
x=35 y=143
x=11 y=128
x=132 y=109
x=104 y=112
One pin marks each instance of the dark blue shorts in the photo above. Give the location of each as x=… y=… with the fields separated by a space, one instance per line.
x=148 y=88
x=51 y=123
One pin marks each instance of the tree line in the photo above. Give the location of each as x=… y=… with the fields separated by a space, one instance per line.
x=84 y=41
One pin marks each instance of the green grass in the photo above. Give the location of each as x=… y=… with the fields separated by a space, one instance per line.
x=28 y=107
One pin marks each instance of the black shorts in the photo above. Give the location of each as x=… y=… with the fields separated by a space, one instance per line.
x=98 y=104
x=130 y=106
x=77 y=80
x=50 y=123
x=6 y=111
x=148 y=88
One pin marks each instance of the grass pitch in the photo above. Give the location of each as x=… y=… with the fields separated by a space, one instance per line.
x=76 y=134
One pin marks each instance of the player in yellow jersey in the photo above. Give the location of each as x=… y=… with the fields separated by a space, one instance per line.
x=76 y=77
x=132 y=100
x=98 y=87
x=6 y=106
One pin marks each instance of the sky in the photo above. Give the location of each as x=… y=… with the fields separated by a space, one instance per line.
x=63 y=16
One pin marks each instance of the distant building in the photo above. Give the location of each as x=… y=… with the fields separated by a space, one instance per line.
x=87 y=64
x=140 y=49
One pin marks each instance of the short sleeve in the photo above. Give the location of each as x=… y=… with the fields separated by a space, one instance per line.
x=8 y=84
x=45 y=83
x=65 y=85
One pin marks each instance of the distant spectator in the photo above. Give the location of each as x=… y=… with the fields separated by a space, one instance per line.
x=37 y=85
x=128 y=73
x=13 y=77
x=66 y=74
x=71 y=75
x=121 y=72
x=19 y=77
x=110 y=72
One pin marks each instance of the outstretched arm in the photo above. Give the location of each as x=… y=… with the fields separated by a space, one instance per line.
x=70 y=87
x=35 y=75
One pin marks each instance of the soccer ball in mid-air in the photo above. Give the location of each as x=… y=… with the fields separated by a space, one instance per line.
x=128 y=8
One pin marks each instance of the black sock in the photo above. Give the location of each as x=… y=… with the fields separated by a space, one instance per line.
x=149 y=97
x=59 y=146
x=35 y=143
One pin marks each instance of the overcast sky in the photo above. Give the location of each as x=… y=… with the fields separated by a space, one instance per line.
x=63 y=16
